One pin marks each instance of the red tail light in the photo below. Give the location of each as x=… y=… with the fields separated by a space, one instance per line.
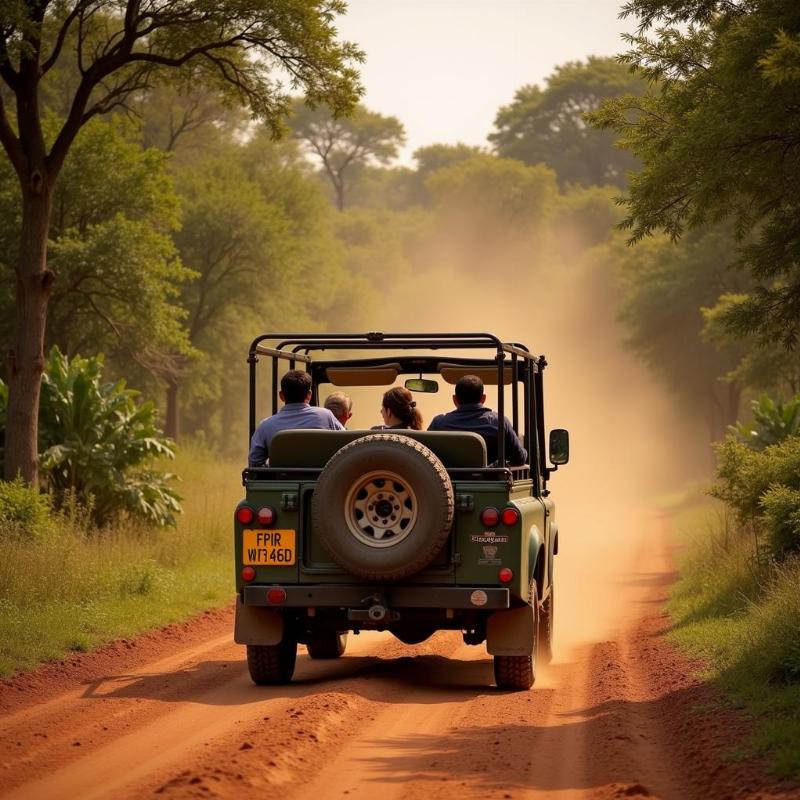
x=245 y=515
x=266 y=516
x=490 y=517
x=505 y=575
x=510 y=516
x=248 y=574
x=276 y=596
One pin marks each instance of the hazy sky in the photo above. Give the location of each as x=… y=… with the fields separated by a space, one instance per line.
x=444 y=67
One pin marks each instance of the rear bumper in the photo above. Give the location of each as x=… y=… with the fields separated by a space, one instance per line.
x=399 y=597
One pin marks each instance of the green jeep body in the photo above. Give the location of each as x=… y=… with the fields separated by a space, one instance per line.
x=494 y=583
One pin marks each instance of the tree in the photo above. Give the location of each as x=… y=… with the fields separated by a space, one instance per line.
x=236 y=243
x=491 y=214
x=548 y=125
x=119 y=275
x=259 y=228
x=343 y=144
x=438 y=156
x=123 y=49
x=665 y=289
x=718 y=138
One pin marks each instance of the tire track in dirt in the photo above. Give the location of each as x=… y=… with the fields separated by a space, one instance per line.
x=619 y=718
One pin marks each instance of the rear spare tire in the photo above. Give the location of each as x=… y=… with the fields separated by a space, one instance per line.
x=383 y=507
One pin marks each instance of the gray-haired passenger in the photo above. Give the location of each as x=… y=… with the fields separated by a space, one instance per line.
x=340 y=405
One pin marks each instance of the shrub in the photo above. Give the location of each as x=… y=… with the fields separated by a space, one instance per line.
x=745 y=475
x=781 y=515
x=773 y=421
x=98 y=442
x=25 y=512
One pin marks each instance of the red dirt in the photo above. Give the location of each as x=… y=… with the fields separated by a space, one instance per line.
x=173 y=714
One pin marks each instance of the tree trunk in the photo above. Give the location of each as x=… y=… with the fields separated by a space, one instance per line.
x=26 y=360
x=173 y=421
x=338 y=185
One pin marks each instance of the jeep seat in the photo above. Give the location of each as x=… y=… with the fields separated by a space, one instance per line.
x=314 y=448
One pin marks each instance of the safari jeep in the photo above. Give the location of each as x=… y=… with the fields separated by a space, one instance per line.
x=404 y=531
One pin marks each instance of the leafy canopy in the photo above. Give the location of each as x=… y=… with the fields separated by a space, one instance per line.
x=719 y=139
x=114 y=212
x=344 y=143
x=255 y=52
x=548 y=124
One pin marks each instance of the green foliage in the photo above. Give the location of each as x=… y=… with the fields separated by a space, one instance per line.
x=547 y=125
x=491 y=214
x=773 y=421
x=434 y=157
x=763 y=488
x=25 y=512
x=763 y=365
x=342 y=143
x=495 y=188
x=664 y=289
x=97 y=443
x=780 y=508
x=238 y=49
x=119 y=274
x=717 y=138
x=741 y=614
x=584 y=217
x=120 y=580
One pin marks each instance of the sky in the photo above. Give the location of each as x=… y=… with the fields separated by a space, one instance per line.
x=444 y=67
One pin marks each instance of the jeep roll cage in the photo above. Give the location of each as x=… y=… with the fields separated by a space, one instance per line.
x=508 y=357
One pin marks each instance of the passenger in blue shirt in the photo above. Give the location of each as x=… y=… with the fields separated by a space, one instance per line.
x=296 y=413
x=472 y=415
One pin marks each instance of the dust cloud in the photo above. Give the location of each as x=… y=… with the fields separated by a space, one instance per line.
x=630 y=446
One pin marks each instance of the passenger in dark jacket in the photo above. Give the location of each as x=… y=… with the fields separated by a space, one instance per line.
x=472 y=415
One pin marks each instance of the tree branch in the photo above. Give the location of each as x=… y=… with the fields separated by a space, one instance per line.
x=62 y=35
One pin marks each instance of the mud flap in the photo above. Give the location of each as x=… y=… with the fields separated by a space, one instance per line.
x=256 y=625
x=511 y=633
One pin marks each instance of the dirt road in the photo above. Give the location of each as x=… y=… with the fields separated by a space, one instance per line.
x=175 y=715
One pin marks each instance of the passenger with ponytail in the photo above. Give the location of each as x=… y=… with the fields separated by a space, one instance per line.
x=399 y=410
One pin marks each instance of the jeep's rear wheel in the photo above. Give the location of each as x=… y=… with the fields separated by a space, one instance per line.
x=272 y=663
x=519 y=672
x=383 y=507
x=327 y=644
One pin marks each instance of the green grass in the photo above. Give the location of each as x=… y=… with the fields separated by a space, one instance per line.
x=740 y=613
x=76 y=588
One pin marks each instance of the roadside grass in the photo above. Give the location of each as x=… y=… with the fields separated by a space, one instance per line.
x=740 y=613
x=75 y=587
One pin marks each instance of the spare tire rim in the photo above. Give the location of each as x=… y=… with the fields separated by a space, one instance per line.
x=380 y=509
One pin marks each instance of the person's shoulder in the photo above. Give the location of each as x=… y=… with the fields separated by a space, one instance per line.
x=436 y=420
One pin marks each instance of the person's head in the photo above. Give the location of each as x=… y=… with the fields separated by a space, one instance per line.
x=340 y=405
x=296 y=387
x=469 y=389
x=400 y=408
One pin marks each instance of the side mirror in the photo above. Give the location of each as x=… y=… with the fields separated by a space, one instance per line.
x=422 y=385
x=559 y=446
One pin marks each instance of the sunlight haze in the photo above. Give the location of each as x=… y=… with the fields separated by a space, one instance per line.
x=444 y=67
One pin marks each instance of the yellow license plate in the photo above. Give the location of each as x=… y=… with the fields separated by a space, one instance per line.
x=269 y=548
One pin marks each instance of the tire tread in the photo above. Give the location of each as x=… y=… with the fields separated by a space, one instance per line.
x=272 y=663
